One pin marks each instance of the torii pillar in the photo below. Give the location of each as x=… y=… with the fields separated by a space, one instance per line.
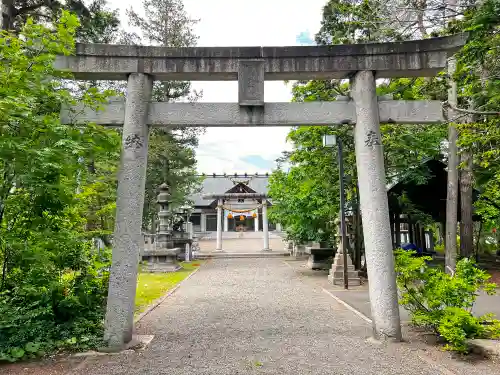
x=375 y=208
x=265 y=226
x=218 y=246
x=127 y=238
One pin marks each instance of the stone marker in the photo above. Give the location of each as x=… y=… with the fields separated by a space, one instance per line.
x=336 y=275
x=319 y=257
x=161 y=260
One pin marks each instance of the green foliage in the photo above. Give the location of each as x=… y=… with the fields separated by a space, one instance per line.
x=53 y=283
x=306 y=198
x=171 y=157
x=43 y=313
x=355 y=21
x=478 y=75
x=443 y=302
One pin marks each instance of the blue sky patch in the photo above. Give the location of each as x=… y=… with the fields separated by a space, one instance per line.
x=258 y=161
x=305 y=39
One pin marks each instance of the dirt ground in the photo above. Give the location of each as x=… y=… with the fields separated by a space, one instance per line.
x=62 y=365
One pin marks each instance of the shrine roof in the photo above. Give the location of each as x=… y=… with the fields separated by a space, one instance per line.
x=220 y=184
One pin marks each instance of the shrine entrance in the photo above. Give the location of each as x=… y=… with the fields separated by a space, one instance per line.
x=244 y=208
x=362 y=64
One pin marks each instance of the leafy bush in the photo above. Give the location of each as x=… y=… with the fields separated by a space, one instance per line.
x=443 y=302
x=61 y=311
x=53 y=285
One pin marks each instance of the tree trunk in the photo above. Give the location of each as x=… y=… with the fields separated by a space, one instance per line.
x=466 y=223
x=4 y=268
x=478 y=241
x=452 y=188
x=7 y=9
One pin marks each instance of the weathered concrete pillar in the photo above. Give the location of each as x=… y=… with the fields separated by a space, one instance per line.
x=127 y=239
x=226 y=222
x=203 y=222
x=219 y=225
x=265 y=226
x=375 y=209
x=256 y=221
x=189 y=246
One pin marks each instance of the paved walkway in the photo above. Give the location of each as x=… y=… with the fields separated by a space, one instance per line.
x=358 y=296
x=259 y=316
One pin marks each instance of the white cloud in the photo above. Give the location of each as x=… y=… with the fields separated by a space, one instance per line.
x=244 y=23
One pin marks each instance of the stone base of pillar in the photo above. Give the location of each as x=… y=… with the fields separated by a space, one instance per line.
x=336 y=276
x=164 y=260
x=299 y=252
x=219 y=250
x=188 y=257
x=319 y=258
x=266 y=249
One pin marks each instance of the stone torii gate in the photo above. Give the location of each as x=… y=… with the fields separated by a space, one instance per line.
x=251 y=66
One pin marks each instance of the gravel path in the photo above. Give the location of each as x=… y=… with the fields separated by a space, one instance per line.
x=256 y=316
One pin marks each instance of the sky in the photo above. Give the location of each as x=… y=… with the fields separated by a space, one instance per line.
x=245 y=23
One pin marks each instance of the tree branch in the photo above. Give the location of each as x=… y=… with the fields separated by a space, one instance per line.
x=471 y=112
x=29 y=8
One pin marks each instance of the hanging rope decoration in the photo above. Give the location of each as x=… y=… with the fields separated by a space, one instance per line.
x=230 y=216
x=242 y=217
x=240 y=211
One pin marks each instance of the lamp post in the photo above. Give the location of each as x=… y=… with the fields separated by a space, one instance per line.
x=186 y=211
x=330 y=140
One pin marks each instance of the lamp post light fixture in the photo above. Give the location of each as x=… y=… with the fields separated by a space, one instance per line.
x=186 y=210
x=330 y=140
x=186 y=213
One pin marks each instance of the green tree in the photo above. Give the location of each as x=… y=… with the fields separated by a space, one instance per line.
x=305 y=200
x=171 y=158
x=479 y=72
x=16 y=12
x=53 y=285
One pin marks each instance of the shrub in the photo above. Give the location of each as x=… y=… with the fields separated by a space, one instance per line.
x=64 y=311
x=53 y=286
x=442 y=302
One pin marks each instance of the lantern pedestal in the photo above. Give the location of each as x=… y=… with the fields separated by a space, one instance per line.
x=164 y=260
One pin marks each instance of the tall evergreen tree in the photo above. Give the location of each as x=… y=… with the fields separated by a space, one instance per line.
x=172 y=152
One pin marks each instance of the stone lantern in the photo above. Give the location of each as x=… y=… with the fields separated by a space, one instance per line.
x=164 y=257
x=336 y=275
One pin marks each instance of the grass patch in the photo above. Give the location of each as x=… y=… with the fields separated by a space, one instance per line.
x=151 y=286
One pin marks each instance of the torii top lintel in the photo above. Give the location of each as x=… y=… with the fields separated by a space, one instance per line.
x=417 y=58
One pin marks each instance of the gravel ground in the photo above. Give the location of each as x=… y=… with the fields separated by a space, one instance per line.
x=257 y=316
